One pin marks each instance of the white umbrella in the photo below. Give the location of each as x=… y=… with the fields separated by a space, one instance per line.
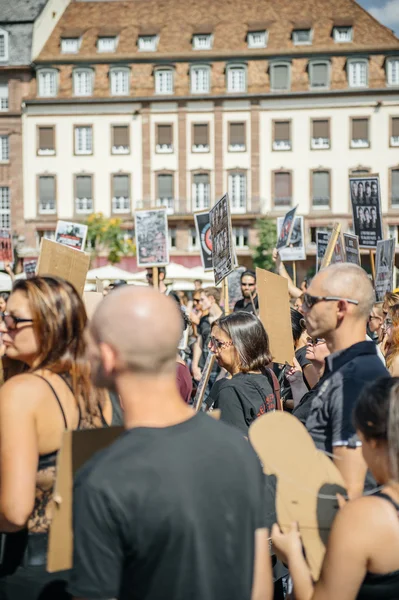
x=110 y=273
x=5 y=283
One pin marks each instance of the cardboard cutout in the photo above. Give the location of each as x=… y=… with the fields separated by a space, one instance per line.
x=62 y=261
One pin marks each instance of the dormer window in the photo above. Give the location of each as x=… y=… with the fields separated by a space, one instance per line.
x=343 y=35
x=106 y=44
x=3 y=45
x=302 y=36
x=257 y=39
x=70 y=45
x=202 y=41
x=148 y=43
x=392 y=67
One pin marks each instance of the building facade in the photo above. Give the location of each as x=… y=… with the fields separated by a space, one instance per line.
x=140 y=104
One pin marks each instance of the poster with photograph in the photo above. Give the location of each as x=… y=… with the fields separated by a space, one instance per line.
x=30 y=268
x=286 y=229
x=322 y=238
x=203 y=228
x=338 y=255
x=223 y=253
x=151 y=230
x=6 y=249
x=332 y=246
x=384 y=267
x=71 y=234
x=366 y=208
x=296 y=248
x=352 y=252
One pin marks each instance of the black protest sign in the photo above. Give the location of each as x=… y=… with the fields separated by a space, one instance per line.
x=366 y=208
x=203 y=228
x=223 y=253
x=322 y=238
x=286 y=229
x=151 y=230
x=352 y=253
x=296 y=248
x=384 y=266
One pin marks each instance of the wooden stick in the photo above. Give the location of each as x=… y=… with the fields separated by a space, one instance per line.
x=372 y=262
x=294 y=272
x=155 y=277
x=253 y=303
x=226 y=296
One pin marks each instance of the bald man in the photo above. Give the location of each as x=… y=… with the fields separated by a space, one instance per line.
x=175 y=508
x=336 y=307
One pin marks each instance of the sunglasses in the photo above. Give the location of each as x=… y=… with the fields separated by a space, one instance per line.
x=219 y=344
x=315 y=341
x=309 y=301
x=11 y=322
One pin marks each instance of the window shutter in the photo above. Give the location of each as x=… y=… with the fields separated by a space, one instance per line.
x=237 y=134
x=280 y=77
x=47 y=189
x=83 y=186
x=46 y=138
x=121 y=136
x=165 y=186
x=121 y=186
x=321 y=185
x=164 y=135
x=319 y=75
x=360 y=129
x=201 y=135
x=282 y=185
x=395 y=127
x=321 y=129
x=282 y=131
x=395 y=184
x=201 y=178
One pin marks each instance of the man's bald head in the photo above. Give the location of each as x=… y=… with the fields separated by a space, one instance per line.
x=142 y=326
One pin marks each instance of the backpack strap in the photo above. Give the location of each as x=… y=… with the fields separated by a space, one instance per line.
x=276 y=388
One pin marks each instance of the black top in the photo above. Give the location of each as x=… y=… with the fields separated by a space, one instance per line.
x=300 y=355
x=168 y=513
x=302 y=410
x=204 y=330
x=243 y=398
x=246 y=306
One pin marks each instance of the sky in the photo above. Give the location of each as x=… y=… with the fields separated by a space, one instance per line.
x=386 y=11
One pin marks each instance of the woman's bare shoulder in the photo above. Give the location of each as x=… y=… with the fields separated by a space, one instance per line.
x=22 y=387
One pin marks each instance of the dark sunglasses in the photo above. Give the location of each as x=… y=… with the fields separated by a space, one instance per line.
x=219 y=344
x=11 y=322
x=196 y=300
x=309 y=301
x=315 y=341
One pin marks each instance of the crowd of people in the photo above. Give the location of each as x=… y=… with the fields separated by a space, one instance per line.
x=178 y=507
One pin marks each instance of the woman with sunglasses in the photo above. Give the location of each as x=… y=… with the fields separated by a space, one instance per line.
x=241 y=346
x=43 y=328
x=391 y=329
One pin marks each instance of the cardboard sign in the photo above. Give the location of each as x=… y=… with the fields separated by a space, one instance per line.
x=206 y=373
x=296 y=248
x=6 y=248
x=384 y=268
x=30 y=267
x=307 y=480
x=203 y=228
x=61 y=261
x=331 y=246
x=286 y=229
x=322 y=238
x=339 y=252
x=91 y=301
x=352 y=253
x=151 y=230
x=71 y=234
x=274 y=312
x=366 y=208
x=223 y=252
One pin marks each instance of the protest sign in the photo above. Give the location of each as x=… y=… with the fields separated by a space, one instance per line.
x=62 y=261
x=338 y=255
x=322 y=238
x=30 y=267
x=151 y=230
x=223 y=254
x=384 y=267
x=6 y=249
x=71 y=234
x=206 y=373
x=234 y=285
x=352 y=253
x=274 y=312
x=286 y=229
x=332 y=241
x=203 y=228
x=296 y=248
x=366 y=208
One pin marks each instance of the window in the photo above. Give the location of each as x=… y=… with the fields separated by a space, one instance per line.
x=360 y=133
x=395 y=188
x=106 y=44
x=302 y=36
x=280 y=77
x=147 y=43
x=240 y=235
x=237 y=137
x=70 y=45
x=3 y=45
x=165 y=196
x=202 y=41
x=3 y=96
x=393 y=232
x=5 y=207
x=321 y=189
x=120 y=139
x=360 y=171
x=164 y=138
x=342 y=35
x=84 y=194
x=358 y=73
x=83 y=82
x=393 y=71
x=200 y=137
x=47 y=195
x=164 y=81
x=238 y=192
x=282 y=135
x=84 y=140
x=394 y=140
x=119 y=82
x=257 y=39
x=236 y=78
x=172 y=237
x=200 y=79
x=282 y=193
x=47 y=83
x=193 y=241
x=201 y=191
x=47 y=234
x=4 y=148
x=319 y=74
x=120 y=193
x=46 y=141
x=320 y=134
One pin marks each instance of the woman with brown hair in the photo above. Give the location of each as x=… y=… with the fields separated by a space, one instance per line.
x=391 y=326
x=43 y=328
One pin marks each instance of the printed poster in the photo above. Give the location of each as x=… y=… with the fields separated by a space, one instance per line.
x=203 y=227
x=30 y=268
x=151 y=231
x=338 y=255
x=223 y=252
x=286 y=229
x=384 y=268
x=296 y=248
x=71 y=234
x=322 y=238
x=6 y=248
x=366 y=209
x=352 y=252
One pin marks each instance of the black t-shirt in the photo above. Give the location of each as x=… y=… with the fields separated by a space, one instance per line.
x=302 y=410
x=169 y=513
x=246 y=306
x=243 y=398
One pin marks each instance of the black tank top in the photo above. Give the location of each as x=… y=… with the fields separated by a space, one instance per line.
x=381 y=587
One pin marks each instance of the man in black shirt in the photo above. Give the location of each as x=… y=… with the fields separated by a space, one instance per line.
x=248 y=289
x=210 y=299
x=174 y=509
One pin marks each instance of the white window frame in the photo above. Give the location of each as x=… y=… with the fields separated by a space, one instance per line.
x=120 y=149
x=87 y=140
x=5 y=207
x=124 y=201
x=360 y=143
x=241 y=233
x=251 y=39
x=4 y=96
x=154 y=39
x=4 y=148
x=87 y=203
x=238 y=204
x=172 y=237
x=280 y=63
x=158 y=73
x=351 y=66
x=4 y=57
x=201 y=198
x=107 y=39
x=300 y=43
x=66 y=40
x=113 y=74
x=336 y=31
x=206 y=37
x=394 y=140
x=193 y=234
x=76 y=73
x=229 y=70
x=204 y=90
x=312 y=64
x=320 y=143
x=389 y=70
x=42 y=84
